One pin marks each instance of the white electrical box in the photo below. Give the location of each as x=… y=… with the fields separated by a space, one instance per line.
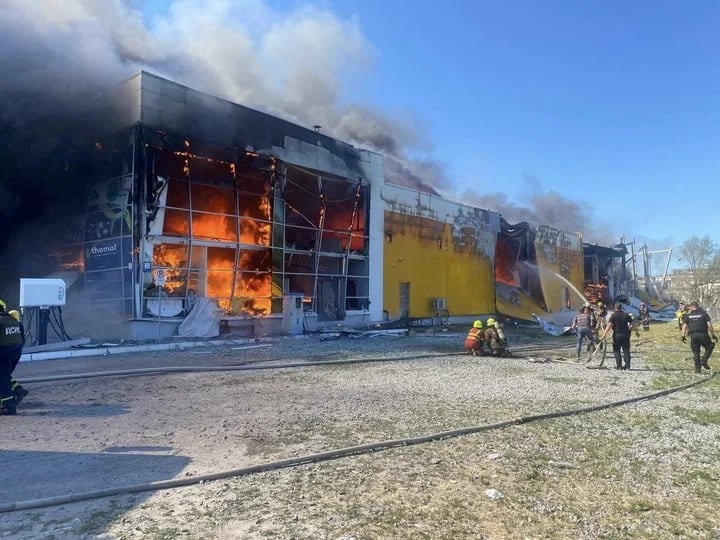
x=293 y=314
x=42 y=292
x=439 y=304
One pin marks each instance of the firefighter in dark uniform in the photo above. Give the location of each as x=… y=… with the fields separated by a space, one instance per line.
x=17 y=389
x=11 y=344
x=697 y=323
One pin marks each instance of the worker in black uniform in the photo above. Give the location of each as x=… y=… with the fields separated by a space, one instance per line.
x=17 y=389
x=620 y=322
x=697 y=323
x=11 y=344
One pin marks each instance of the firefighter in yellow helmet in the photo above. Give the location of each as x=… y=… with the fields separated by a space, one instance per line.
x=493 y=338
x=680 y=314
x=474 y=342
x=12 y=339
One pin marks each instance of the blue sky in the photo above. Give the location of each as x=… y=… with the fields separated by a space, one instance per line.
x=612 y=104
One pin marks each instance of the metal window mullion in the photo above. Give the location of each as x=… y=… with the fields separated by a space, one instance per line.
x=237 y=234
x=191 y=247
x=318 y=243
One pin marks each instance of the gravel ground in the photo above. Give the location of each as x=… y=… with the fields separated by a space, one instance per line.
x=643 y=470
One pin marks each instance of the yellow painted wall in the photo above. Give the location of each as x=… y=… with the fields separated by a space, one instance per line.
x=424 y=252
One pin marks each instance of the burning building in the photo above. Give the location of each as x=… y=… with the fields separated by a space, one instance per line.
x=537 y=270
x=186 y=198
x=196 y=197
x=438 y=256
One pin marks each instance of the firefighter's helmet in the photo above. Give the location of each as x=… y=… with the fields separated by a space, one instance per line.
x=15 y=314
x=3 y=305
x=490 y=321
x=477 y=324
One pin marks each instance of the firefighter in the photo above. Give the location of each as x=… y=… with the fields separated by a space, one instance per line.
x=501 y=337
x=493 y=339
x=17 y=389
x=475 y=339
x=697 y=324
x=599 y=322
x=11 y=344
x=602 y=311
x=680 y=313
x=644 y=317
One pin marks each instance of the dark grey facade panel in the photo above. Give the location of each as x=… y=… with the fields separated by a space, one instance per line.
x=170 y=106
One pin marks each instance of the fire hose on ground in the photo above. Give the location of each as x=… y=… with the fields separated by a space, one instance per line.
x=311 y=458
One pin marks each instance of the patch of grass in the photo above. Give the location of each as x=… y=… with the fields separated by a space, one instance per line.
x=645 y=421
x=641 y=505
x=161 y=533
x=99 y=520
x=700 y=482
x=703 y=417
x=667 y=380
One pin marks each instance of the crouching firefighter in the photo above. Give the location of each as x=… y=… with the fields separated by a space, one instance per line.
x=475 y=340
x=495 y=338
x=12 y=339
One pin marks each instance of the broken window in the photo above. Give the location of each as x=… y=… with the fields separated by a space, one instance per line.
x=253 y=234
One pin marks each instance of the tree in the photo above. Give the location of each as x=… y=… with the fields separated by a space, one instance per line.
x=703 y=258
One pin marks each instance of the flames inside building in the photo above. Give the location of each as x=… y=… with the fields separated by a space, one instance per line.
x=190 y=198
x=171 y=199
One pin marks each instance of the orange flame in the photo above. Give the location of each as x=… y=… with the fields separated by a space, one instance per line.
x=247 y=287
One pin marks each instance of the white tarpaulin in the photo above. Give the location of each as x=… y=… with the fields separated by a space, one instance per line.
x=202 y=321
x=561 y=326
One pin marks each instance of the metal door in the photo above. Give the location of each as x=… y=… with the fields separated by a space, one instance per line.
x=404 y=299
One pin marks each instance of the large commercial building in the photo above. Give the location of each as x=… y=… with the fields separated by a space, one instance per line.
x=284 y=228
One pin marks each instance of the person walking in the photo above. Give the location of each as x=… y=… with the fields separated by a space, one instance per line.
x=620 y=322
x=583 y=325
x=11 y=344
x=475 y=339
x=697 y=324
x=680 y=314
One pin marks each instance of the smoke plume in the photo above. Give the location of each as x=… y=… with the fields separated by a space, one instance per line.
x=294 y=64
x=546 y=208
x=288 y=63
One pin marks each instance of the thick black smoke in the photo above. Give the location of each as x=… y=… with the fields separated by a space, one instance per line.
x=541 y=207
x=55 y=57
x=58 y=55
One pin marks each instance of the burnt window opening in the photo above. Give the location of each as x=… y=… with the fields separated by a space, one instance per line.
x=255 y=232
x=220 y=212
